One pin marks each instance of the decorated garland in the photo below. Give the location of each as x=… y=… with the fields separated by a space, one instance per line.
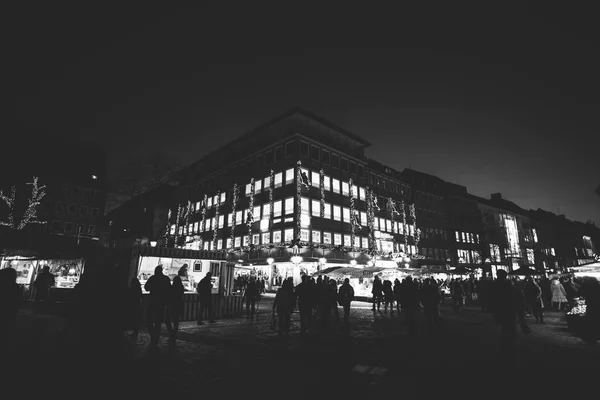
x=352 y=232
x=188 y=212
x=322 y=188
x=417 y=236
x=177 y=223
x=168 y=228
x=299 y=184
x=234 y=200
x=250 y=218
x=371 y=220
x=271 y=197
x=204 y=204
x=404 y=227
x=216 y=227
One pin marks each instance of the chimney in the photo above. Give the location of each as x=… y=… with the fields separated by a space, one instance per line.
x=496 y=196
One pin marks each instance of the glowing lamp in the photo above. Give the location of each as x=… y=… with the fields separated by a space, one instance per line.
x=322 y=261
x=153 y=243
x=353 y=263
x=270 y=261
x=371 y=263
x=94 y=177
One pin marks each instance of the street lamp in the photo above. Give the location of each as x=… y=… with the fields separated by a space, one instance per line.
x=353 y=263
x=153 y=243
x=270 y=260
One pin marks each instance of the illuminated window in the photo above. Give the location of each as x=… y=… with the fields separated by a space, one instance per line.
x=257 y=186
x=289 y=235
x=230 y=219
x=347 y=240
x=277 y=208
x=315 y=179
x=363 y=218
x=530 y=257
x=464 y=237
x=552 y=251
x=388 y=225
x=336 y=185
x=219 y=244
x=256 y=213
x=382 y=224
x=266 y=211
x=289 y=205
x=239 y=217
x=245 y=240
x=208 y=224
x=306 y=172
x=205 y=245
x=326 y=183
x=215 y=200
x=221 y=221
x=304 y=235
x=365 y=243
x=209 y=202
x=278 y=179
x=361 y=193
x=337 y=213
x=267 y=183
x=289 y=176
x=256 y=239
x=266 y=238
x=238 y=241
x=304 y=220
x=457 y=236
x=337 y=239
x=304 y=204
x=315 y=208
x=228 y=243
x=326 y=237
x=346 y=214
x=345 y=189
x=223 y=197
x=328 y=210
x=376 y=223
x=354 y=191
x=316 y=236
x=196 y=226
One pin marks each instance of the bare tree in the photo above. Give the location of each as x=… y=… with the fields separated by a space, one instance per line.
x=29 y=215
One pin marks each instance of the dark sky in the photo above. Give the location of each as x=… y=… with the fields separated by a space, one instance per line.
x=497 y=99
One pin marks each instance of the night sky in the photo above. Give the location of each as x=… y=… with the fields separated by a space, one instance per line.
x=500 y=100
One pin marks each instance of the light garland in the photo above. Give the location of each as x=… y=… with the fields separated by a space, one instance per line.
x=177 y=220
x=216 y=227
x=234 y=200
x=250 y=217
x=204 y=207
x=30 y=214
x=404 y=227
x=417 y=230
x=371 y=220
x=299 y=184
x=168 y=227
x=322 y=188
x=271 y=197
x=352 y=232
x=188 y=213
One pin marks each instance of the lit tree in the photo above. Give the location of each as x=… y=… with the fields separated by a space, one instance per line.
x=30 y=213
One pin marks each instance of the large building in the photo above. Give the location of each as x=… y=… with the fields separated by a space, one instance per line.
x=298 y=186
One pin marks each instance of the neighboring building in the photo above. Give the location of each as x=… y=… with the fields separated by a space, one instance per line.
x=142 y=219
x=312 y=210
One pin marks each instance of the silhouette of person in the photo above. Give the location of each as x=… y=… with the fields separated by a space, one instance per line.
x=10 y=299
x=346 y=295
x=251 y=295
x=159 y=287
x=305 y=303
x=175 y=304
x=204 y=290
x=44 y=281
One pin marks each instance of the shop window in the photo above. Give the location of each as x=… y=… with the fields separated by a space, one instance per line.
x=335 y=185
x=363 y=218
x=316 y=236
x=289 y=205
x=315 y=179
x=288 y=235
x=325 y=156
x=266 y=238
x=388 y=225
x=72 y=209
x=278 y=153
x=337 y=239
x=344 y=164
x=346 y=214
x=238 y=241
x=277 y=237
x=326 y=237
x=278 y=178
x=335 y=160
x=289 y=176
x=337 y=213
x=347 y=240
x=328 y=210
x=326 y=183
x=290 y=149
x=269 y=157
x=304 y=149
x=277 y=208
x=304 y=220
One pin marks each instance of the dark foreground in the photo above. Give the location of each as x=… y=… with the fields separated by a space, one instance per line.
x=374 y=355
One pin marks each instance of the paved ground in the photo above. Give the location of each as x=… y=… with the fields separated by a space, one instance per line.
x=374 y=354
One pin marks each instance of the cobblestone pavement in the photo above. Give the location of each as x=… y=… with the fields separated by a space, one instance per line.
x=375 y=352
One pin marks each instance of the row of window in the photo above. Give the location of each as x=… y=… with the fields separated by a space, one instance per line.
x=468 y=256
x=307 y=207
x=71 y=228
x=466 y=237
x=549 y=251
x=73 y=209
x=434 y=254
x=434 y=234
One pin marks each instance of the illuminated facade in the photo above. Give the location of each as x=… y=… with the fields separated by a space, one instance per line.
x=297 y=186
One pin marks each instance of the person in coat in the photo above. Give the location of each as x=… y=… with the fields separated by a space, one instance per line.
x=346 y=295
x=159 y=286
x=533 y=299
x=559 y=295
x=175 y=304
x=204 y=290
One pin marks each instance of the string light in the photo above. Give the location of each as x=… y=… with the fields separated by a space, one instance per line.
x=352 y=231
x=250 y=218
x=404 y=227
x=271 y=197
x=177 y=220
x=322 y=188
x=371 y=220
x=30 y=214
x=298 y=201
x=234 y=201
x=216 y=227
x=204 y=206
